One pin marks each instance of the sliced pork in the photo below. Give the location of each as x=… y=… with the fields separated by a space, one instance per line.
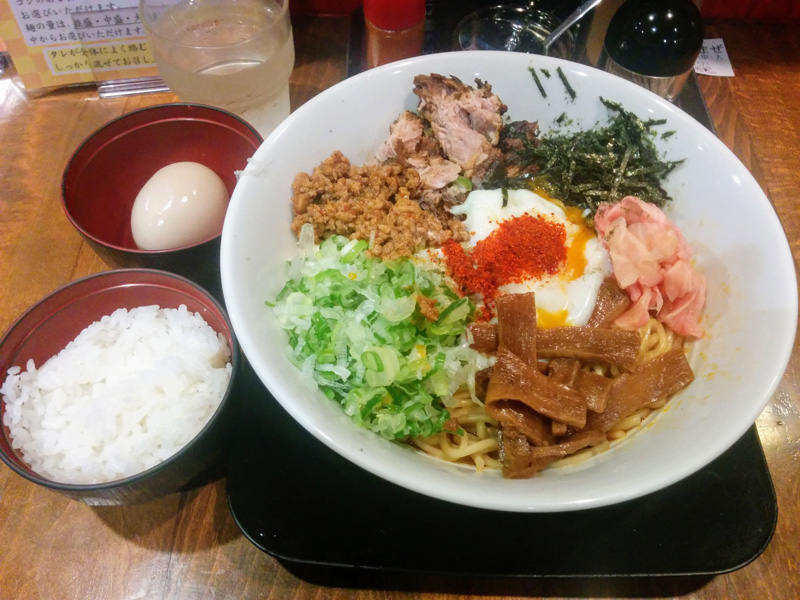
x=466 y=120
x=405 y=138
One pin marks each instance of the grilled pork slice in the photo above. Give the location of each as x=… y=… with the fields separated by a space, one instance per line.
x=405 y=138
x=434 y=171
x=409 y=145
x=466 y=120
x=615 y=346
x=662 y=376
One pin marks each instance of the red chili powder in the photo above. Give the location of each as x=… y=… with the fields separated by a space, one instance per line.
x=521 y=248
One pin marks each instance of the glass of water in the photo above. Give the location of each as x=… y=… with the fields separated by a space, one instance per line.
x=233 y=54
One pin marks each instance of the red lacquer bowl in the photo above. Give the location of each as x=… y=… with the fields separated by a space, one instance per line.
x=106 y=172
x=46 y=328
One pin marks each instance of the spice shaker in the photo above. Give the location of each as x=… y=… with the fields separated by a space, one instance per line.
x=654 y=43
x=395 y=29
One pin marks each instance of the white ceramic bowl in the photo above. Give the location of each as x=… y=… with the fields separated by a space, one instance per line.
x=751 y=315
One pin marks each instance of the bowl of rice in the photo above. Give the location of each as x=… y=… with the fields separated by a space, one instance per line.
x=118 y=388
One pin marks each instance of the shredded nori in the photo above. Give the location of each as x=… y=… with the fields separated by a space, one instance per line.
x=546 y=72
x=564 y=80
x=538 y=83
x=602 y=164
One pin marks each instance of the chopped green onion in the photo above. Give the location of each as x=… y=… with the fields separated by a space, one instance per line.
x=355 y=328
x=464 y=182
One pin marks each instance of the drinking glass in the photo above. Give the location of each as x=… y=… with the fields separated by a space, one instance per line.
x=512 y=27
x=233 y=54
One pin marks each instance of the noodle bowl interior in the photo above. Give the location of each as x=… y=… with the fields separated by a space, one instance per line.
x=449 y=295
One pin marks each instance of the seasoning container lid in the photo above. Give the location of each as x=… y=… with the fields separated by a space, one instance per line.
x=394 y=15
x=659 y=38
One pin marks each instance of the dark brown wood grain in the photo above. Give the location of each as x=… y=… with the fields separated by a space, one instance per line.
x=187 y=546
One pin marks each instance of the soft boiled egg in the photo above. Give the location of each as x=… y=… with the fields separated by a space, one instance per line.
x=181 y=204
x=564 y=298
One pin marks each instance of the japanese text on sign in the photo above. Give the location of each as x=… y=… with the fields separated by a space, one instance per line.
x=47 y=22
x=106 y=57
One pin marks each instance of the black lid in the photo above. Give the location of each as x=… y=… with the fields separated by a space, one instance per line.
x=660 y=38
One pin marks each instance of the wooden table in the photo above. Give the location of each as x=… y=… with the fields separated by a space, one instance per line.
x=187 y=545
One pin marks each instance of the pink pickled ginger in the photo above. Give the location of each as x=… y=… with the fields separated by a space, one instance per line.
x=650 y=259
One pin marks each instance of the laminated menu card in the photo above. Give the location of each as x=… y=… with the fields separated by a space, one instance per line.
x=65 y=42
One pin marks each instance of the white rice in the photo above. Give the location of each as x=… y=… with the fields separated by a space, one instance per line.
x=129 y=392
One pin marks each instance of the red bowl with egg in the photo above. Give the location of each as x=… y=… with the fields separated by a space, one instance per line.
x=106 y=172
x=48 y=326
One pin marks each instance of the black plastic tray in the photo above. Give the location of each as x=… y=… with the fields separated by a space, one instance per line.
x=299 y=501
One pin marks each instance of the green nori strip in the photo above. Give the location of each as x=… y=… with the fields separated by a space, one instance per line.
x=538 y=83
x=583 y=169
x=667 y=134
x=504 y=193
x=546 y=72
x=562 y=118
x=563 y=77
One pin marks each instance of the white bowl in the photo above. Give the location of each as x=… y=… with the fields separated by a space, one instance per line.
x=739 y=244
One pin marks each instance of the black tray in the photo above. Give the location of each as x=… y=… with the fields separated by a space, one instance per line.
x=302 y=503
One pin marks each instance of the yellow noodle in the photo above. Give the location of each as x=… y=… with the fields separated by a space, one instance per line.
x=581 y=456
x=478 y=445
x=616 y=434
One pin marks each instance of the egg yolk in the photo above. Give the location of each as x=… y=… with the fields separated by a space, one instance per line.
x=546 y=319
x=576 y=253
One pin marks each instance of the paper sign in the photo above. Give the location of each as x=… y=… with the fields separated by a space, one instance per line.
x=63 y=42
x=713 y=59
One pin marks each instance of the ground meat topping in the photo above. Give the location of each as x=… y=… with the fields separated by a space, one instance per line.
x=377 y=203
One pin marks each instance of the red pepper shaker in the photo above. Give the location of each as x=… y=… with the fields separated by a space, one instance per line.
x=395 y=30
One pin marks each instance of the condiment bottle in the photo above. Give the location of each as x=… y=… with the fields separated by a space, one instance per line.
x=654 y=43
x=395 y=30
